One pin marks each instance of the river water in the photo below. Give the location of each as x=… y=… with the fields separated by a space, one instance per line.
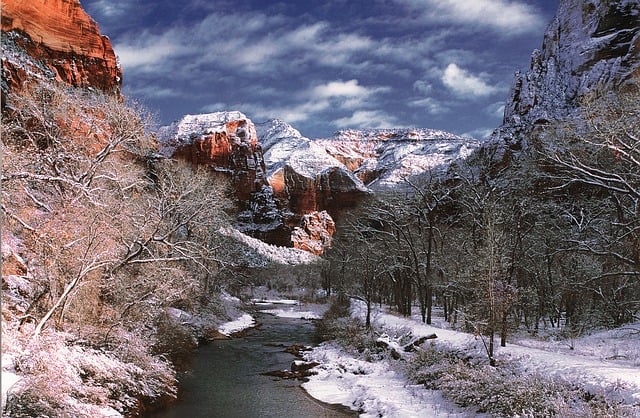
x=226 y=380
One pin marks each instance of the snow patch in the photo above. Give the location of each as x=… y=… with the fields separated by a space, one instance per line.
x=372 y=389
x=237 y=325
x=282 y=255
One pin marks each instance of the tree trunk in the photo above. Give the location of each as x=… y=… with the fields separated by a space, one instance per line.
x=503 y=330
x=429 y=301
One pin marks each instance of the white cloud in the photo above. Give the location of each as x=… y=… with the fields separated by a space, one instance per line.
x=146 y=51
x=108 y=8
x=509 y=17
x=345 y=94
x=430 y=105
x=154 y=92
x=463 y=83
x=349 y=88
x=423 y=87
x=295 y=113
x=367 y=119
x=248 y=43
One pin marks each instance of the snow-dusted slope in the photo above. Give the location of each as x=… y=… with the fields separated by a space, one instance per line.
x=380 y=158
x=260 y=253
x=384 y=158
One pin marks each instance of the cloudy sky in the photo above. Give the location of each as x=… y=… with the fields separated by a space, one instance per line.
x=323 y=65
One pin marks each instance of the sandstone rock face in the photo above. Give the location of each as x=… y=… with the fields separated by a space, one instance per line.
x=55 y=39
x=315 y=232
x=224 y=141
x=590 y=45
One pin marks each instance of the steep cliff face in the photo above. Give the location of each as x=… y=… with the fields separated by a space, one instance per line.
x=224 y=141
x=55 y=39
x=590 y=45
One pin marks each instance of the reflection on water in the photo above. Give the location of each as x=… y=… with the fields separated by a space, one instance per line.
x=226 y=382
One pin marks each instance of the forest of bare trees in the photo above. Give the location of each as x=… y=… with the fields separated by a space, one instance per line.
x=551 y=239
x=112 y=235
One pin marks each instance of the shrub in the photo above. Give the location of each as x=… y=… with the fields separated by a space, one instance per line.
x=429 y=365
x=503 y=391
x=332 y=321
x=63 y=378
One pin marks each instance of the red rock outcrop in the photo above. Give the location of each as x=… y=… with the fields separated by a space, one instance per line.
x=56 y=39
x=333 y=189
x=226 y=142
x=315 y=232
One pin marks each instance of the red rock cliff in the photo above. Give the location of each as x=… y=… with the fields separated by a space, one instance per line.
x=224 y=141
x=56 y=39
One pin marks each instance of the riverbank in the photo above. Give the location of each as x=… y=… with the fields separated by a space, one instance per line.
x=381 y=386
x=228 y=378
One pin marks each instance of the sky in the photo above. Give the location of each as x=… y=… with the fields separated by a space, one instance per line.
x=324 y=65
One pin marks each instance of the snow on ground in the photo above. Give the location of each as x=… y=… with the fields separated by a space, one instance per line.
x=292 y=308
x=7 y=380
x=373 y=389
x=592 y=371
x=237 y=325
x=376 y=389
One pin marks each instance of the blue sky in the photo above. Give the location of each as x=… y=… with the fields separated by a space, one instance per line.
x=326 y=65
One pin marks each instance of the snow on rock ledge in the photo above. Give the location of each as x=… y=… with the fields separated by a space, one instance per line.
x=590 y=45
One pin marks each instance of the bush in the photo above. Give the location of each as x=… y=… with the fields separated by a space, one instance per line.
x=331 y=324
x=504 y=391
x=429 y=365
x=65 y=378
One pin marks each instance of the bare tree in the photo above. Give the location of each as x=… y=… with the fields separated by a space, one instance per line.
x=599 y=159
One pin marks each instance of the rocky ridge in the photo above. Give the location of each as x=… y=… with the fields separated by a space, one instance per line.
x=55 y=40
x=591 y=45
x=387 y=158
x=291 y=187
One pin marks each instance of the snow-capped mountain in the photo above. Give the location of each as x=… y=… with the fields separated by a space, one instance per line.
x=379 y=158
x=385 y=158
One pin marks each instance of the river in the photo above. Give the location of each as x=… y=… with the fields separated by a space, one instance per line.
x=225 y=379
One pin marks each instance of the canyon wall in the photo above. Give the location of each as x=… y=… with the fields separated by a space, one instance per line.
x=55 y=40
x=590 y=46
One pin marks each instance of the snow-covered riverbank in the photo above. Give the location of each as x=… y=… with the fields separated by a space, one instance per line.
x=379 y=389
x=606 y=362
